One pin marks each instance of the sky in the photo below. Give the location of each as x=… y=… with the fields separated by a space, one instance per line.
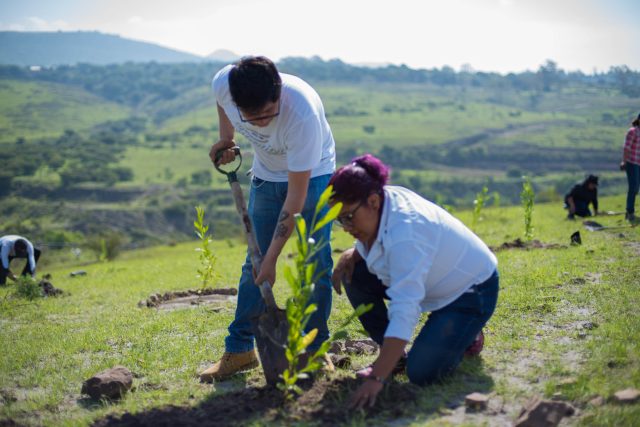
x=486 y=35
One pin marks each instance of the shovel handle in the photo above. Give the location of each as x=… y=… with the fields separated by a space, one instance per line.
x=236 y=151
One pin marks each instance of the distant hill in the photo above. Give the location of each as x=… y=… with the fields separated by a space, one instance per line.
x=223 y=55
x=67 y=48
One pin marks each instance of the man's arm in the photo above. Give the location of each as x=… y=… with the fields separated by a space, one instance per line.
x=226 y=141
x=293 y=204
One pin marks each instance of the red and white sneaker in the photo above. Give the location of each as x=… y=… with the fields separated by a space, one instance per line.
x=476 y=346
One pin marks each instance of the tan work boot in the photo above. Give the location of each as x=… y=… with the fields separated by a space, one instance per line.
x=229 y=365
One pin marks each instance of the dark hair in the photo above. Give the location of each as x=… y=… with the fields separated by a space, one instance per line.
x=636 y=122
x=20 y=247
x=254 y=81
x=356 y=181
x=591 y=179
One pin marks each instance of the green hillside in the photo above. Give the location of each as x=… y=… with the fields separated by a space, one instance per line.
x=565 y=328
x=130 y=141
x=35 y=110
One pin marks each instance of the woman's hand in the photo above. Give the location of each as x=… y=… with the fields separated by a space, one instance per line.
x=366 y=394
x=343 y=271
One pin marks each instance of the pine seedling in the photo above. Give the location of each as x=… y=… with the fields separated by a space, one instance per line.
x=478 y=204
x=496 y=199
x=527 y=197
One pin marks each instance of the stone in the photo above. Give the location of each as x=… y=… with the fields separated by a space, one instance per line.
x=543 y=413
x=111 y=384
x=78 y=273
x=476 y=401
x=360 y=346
x=337 y=347
x=597 y=401
x=340 y=360
x=588 y=325
x=629 y=395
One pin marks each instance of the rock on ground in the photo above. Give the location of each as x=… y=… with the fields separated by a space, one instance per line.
x=629 y=395
x=543 y=413
x=112 y=383
x=476 y=401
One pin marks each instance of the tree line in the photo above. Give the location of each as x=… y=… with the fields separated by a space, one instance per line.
x=140 y=84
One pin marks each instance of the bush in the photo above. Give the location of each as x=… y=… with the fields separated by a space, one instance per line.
x=28 y=288
x=106 y=246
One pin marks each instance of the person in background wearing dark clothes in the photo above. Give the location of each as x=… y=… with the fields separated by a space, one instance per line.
x=12 y=247
x=580 y=196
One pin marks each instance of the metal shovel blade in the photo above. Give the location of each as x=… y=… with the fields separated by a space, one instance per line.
x=271 y=328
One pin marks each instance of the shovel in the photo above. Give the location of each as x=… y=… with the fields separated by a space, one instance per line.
x=271 y=327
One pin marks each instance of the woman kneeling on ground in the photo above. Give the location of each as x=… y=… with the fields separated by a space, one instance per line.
x=415 y=254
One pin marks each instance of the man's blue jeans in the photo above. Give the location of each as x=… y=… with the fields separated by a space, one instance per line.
x=440 y=345
x=265 y=204
x=633 y=178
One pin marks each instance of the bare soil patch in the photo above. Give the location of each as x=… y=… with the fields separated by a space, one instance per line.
x=530 y=244
x=324 y=403
x=189 y=298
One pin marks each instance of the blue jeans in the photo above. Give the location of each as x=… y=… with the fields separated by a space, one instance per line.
x=265 y=204
x=633 y=177
x=440 y=345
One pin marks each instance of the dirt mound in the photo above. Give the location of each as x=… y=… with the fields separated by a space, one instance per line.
x=530 y=244
x=322 y=403
x=48 y=290
x=189 y=297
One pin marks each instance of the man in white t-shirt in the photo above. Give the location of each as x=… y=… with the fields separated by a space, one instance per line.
x=11 y=247
x=294 y=156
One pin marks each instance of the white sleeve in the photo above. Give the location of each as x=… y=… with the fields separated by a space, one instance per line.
x=220 y=85
x=4 y=254
x=409 y=265
x=30 y=256
x=304 y=144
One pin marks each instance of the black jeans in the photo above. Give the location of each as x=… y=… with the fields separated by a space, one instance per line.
x=440 y=345
x=26 y=270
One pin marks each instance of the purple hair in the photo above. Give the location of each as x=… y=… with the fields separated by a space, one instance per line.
x=356 y=181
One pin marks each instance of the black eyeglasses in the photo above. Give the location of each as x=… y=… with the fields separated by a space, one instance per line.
x=256 y=119
x=346 y=219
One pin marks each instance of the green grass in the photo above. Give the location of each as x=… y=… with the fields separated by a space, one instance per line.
x=533 y=342
x=34 y=110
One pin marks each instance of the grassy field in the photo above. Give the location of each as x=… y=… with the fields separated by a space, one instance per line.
x=566 y=326
x=35 y=109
